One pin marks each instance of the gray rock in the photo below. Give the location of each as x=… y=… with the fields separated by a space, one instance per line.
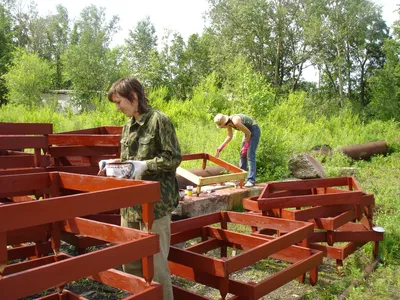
x=304 y=166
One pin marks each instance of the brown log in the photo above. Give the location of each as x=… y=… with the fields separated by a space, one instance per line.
x=367 y=271
x=365 y=151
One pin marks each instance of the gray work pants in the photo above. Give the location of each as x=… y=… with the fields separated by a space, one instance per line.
x=162 y=274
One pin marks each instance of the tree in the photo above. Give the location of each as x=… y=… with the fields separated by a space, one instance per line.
x=86 y=60
x=174 y=58
x=6 y=48
x=141 y=49
x=366 y=49
x=58 y=37
x=346 y=37
x=268 y=33
x=48 y=36
x=198 y=64
x=27 y=78
x=385 y=84
x=242 y=28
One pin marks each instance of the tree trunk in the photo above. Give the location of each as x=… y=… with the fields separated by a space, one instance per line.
x=348 y=64
x=277 y=59
x=362 y=84
x=340 y=87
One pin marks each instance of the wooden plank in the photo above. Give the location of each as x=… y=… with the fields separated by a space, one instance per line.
x=25 y=128
x=307 y=184
x=197 y=261
x=26 y=251
x=17 y=184
x=31 y=234
x=84 y=170
x=22 y=142
x=60 y=151
x=204 y=247
x=183 y=236
x=87 y=183
x=22 y=171
x=65 y=207
x=17 y=161
x=188 y=175
x=335 y=222
x=111 y=129
x=34 y=263
x=312 y=200
x=71 y=269
x=357 y=236
x=64 y=295
x=3 y=251
x=195 y=222
x=221 y=178
x=193 y=156
x=319 y=212
x=84 y=140
x=224 y=164
x=266 y=222
x=127 y=282
x=102 y=231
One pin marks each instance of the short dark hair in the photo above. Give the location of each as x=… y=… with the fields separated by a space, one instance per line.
x=124 y=87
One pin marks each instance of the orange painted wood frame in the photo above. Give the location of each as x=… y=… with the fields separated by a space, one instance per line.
x=337 y=206
x=92 y=194
x=24 y=136
x=255 y=248
x=84 y=147
x=20 y=279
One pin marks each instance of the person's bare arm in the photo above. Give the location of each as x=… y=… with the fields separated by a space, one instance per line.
x=226 y=141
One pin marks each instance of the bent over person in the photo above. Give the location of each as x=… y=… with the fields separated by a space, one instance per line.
x=150 y=143
x=250 y=141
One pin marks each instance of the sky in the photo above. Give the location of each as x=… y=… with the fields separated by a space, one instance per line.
x=183 y=16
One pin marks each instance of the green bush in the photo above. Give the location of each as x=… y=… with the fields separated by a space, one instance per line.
x=27 y=78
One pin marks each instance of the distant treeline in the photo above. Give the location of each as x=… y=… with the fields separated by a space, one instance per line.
x=272 y=42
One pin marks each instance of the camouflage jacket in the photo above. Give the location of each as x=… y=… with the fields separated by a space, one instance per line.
x=153 y=139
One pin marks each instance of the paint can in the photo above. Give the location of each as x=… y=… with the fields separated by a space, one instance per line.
x=189 y=190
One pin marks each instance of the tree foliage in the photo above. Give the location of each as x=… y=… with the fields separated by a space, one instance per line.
x=141 y=52
x=385 y=84
x=87 y=58
x=27 y=78
x=6 y=48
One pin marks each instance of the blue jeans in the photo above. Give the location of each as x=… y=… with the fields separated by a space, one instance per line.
x=251 y=153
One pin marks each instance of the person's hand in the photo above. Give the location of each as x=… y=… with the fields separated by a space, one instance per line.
x=140 y=167
x=244 y=150
x=217 y=153
x=102 y=165
x=219 y=149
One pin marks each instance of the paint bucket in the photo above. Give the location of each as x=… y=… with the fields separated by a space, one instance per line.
x=189 y=190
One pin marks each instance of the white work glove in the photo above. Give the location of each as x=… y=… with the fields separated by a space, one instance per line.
x=103 y=163
x=140 y=167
